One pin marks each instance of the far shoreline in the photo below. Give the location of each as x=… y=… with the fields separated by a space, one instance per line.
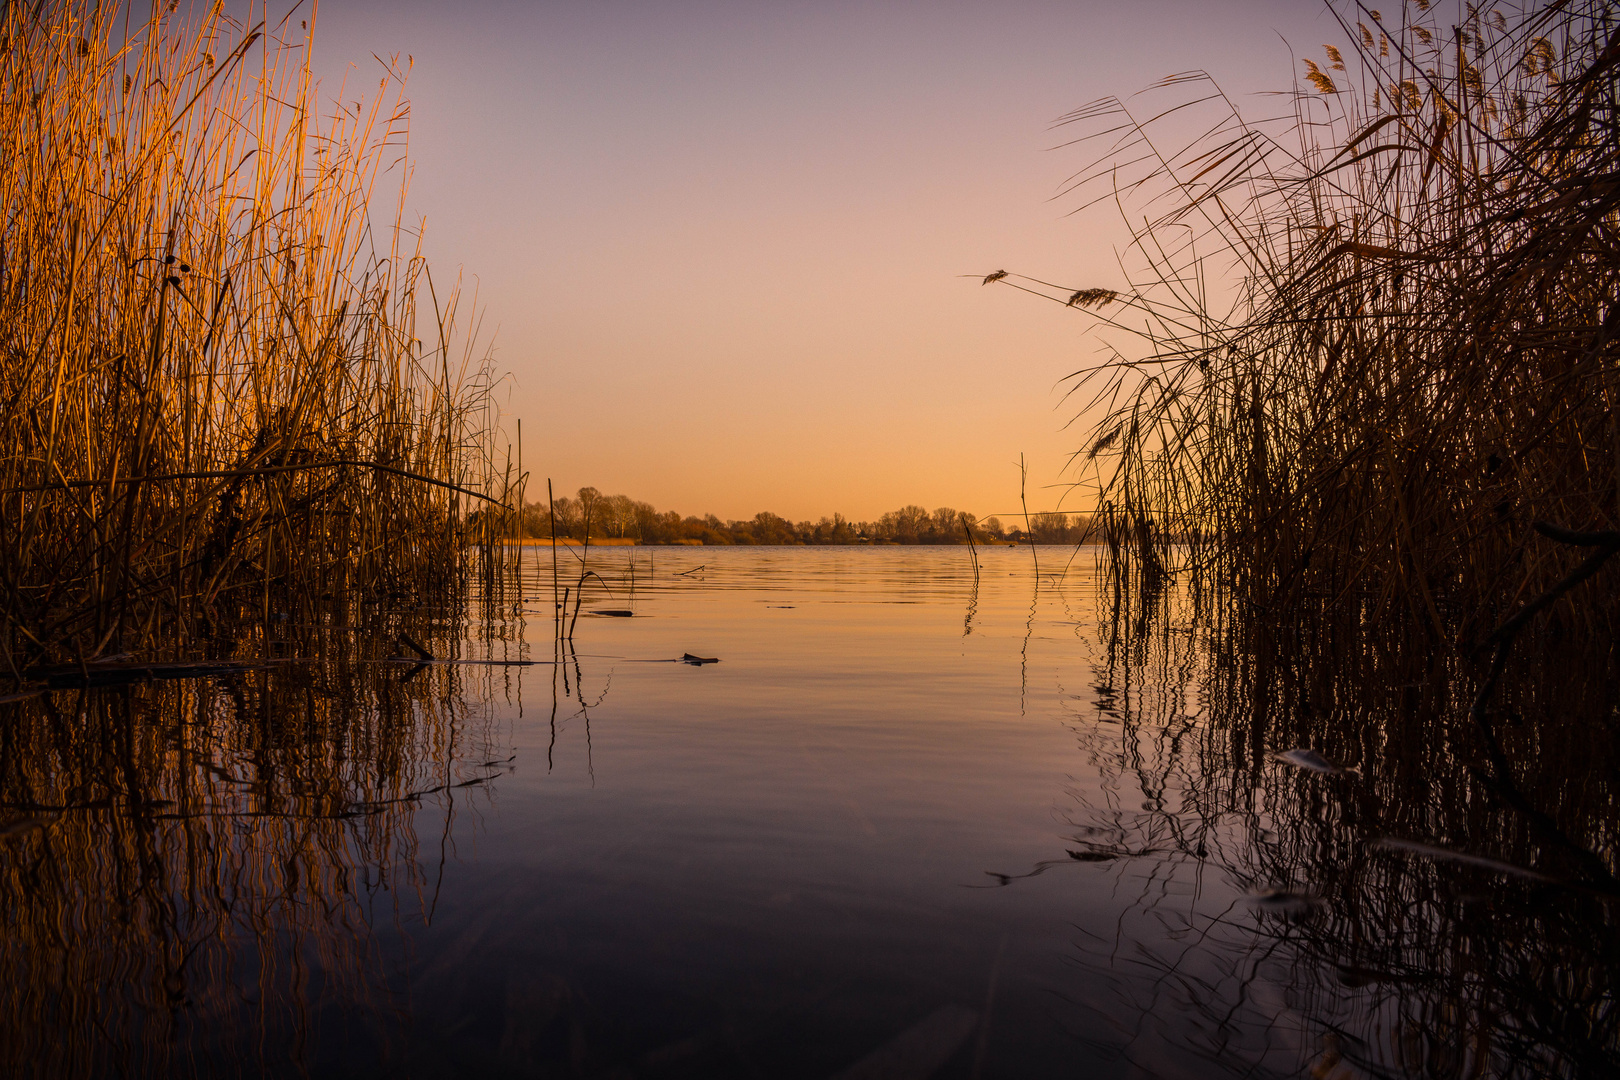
x=626 y=541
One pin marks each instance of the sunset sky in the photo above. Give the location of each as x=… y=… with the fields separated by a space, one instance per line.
x=721 y=246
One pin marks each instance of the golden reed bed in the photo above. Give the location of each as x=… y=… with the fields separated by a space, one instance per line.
x=231 y=391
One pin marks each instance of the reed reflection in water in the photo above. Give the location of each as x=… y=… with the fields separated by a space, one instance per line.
x=191 y=869
x=1008 y=826
x=1410 y=909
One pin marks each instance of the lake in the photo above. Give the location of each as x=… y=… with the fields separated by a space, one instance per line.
x=925 y=817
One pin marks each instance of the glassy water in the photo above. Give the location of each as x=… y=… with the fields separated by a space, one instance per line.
x=921 y=819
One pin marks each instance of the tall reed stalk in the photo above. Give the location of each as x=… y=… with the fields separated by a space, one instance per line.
x=230 y=390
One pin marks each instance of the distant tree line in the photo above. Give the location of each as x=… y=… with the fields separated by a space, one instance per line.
x=618 y=516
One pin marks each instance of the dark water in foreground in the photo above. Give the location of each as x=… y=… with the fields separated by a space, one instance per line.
x=911 y=825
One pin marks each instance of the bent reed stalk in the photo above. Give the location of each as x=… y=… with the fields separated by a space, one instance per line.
x=1418 y=360
x=229 y=390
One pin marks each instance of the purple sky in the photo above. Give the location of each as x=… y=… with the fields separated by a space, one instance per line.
x=719 y=245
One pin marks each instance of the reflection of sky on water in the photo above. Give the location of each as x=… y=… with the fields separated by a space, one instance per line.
x=802 y=841
x=911 y=810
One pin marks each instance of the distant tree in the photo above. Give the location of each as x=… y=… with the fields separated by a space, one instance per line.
x=906 y=524
x=533 y=520
x=569 y=518
x=767 y=528
x=1050 y=528
x=621 y=516
x=618 y=515
x=590 y=511
x=833 y=530
x=646 y=523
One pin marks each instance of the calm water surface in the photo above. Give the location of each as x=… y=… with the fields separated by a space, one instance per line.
x=780 y=863
x=917 y=821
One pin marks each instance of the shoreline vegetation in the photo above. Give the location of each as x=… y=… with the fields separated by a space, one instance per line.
x=1405 y=402
x=1358 y=468
x=235 y=398
x=615 y=520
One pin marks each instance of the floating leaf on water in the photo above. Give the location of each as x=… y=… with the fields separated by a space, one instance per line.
x=1430 y=851
x=1284 y=903
x=1306 y=758
x=1095 y=855
x=1356 y=976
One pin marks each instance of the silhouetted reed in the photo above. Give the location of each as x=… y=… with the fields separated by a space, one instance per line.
x=1373 y=340
x=231 y=393
x=1320 y=480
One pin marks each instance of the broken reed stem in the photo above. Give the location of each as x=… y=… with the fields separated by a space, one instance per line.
x=584 y=558
x=973 y=548
x=1029 y=531
x=556 y=608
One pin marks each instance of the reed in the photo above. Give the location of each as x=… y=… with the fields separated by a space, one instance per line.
x=1364 y=346
x=1361 y=351
x=231 y=392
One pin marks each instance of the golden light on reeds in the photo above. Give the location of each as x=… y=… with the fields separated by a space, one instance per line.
x=231 y=386
x=237 y=420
